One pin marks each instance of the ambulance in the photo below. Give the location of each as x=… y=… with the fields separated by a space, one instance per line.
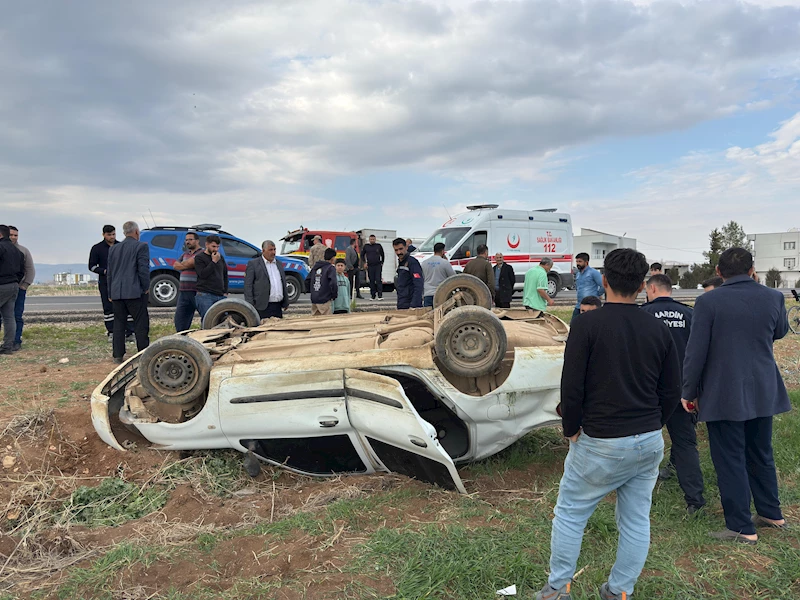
x=523 y=236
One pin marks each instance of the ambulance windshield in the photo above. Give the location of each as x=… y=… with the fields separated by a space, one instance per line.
x=449 y=236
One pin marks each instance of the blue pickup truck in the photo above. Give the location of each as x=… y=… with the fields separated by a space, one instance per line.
x=166 y=247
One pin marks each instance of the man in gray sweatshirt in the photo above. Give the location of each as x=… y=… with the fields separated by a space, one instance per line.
x=436 y=269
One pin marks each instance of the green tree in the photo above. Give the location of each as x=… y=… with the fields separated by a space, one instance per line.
x=733 y=236
x=673 y=274
x=716 y=247
x=773 y=278
x=695 y=275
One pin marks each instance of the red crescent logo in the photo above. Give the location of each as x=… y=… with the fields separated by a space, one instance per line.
x=513 y=245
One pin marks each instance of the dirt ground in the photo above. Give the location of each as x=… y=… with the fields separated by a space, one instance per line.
x=49 y=449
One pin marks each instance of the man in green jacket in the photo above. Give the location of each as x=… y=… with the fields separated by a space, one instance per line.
x=534 y=294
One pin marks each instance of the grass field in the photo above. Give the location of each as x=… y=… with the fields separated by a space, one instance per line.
x=358 y=537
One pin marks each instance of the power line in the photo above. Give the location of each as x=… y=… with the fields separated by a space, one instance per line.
x=688 y=250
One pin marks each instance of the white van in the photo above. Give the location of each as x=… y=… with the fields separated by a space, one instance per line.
x=523 y=236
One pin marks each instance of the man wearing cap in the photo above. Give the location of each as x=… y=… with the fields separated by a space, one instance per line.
x=317 y=251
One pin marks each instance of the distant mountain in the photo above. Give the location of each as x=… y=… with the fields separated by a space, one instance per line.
x=44 y=272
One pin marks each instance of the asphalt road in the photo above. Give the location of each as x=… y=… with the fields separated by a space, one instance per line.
x=74 y=303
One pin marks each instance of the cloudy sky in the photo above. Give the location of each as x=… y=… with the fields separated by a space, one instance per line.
x=661 y=120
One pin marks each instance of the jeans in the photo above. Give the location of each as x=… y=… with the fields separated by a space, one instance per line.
x=185 y=309
x=375 y=273
x=8 y=299
x=137 y=309
x=684 y=456
x=427 y=301
x=594 y=468
x=742 y=455
x=205 y=301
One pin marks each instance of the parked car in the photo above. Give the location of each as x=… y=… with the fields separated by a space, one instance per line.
x=166 y=247
x=412 y=392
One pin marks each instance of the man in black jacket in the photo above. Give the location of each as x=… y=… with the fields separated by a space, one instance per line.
x=98 y=264
x=504 y=281
x=212 y=275
x=12 y=270
x=128 y=285
x=372 y=255
x=410 y=282
x=621 y=382
x=324 y=284
x=683 y=458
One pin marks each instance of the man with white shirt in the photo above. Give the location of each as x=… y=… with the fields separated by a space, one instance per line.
x=265 y=283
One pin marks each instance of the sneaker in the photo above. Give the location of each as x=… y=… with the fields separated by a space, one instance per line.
x=693 y=509
x=548 y=593
x=129 y=337
x=110 y=338
x=373 y=298
x=380 y=297
x=760 y=521
x=16 y=347
x=4 y=350
x=726 y=535
x=119 y=359
x=606 y=594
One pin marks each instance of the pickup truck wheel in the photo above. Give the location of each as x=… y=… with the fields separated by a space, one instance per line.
x=293 y=288
x=241 y=312
x=470 y=341
x=164 y=290
x=473 y=291
x=175 y=369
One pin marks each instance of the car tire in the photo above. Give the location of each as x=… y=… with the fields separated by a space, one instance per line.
x=473 y=289
x=553 y=285
x=164 y=290
x=294 y=287
x=470 y=341
x=175 y=369
x=240 y=311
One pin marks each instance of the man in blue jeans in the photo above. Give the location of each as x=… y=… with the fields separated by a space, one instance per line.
x=588 y=281
x=212 y=276
x=621 y=382
x=187 y=293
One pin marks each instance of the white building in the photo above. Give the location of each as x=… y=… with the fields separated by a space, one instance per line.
x=778 y=251
x=73 y=278
x=597 y=244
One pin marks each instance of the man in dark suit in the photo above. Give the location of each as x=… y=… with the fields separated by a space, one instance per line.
x=731 y=374
x=265 y=283
x=128 y=279
x=504 y=281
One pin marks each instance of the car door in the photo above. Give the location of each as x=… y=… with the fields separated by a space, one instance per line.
x=393 y=433
x=237 y=254
x=295 y=420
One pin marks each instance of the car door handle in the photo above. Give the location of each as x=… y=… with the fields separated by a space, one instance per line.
x=328 y=422
x=417 y=441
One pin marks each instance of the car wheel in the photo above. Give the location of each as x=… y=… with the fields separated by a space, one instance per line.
x=473 y=291
x=293 y=288
x=470 y=341
x=241 y=312
x=553 y=286
x=175 y=369
x=164 y=290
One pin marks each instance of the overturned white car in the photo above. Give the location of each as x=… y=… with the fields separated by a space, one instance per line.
x=411 y=392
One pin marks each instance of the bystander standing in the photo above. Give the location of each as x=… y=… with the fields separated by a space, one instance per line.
x=504 y=280
x=372 y=256
x=212 y=275
x=341 y=305
x=187 y=293
x=711 y=283
x=435 y=270
x=98 y=264
x=352 y=268
x=324 y=284
x=588 y=281
x=27 y=281
x=590 y=303
x=410 y=280
x=265 y=283
x=656 y=269
x=317 y=251
x=128 y=275
x=12 y=270
x=534 y=292
x=481 y=267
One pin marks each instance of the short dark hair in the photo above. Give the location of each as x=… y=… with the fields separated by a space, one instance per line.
x=582 y=255
x=656 y=267
x=735 y=261
x=399 y=242
x=715 y=281
x=4 y=231
x=12 y=228
x=341 y=261
x=352 y=241
x=592 y=301
x=661 y=281
x=625 y=270
x=194 y=233
x=482 y=248
x=329 y=253
x=109 y=229
x=213 y=239
x=438 y=247
x=371 y=235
